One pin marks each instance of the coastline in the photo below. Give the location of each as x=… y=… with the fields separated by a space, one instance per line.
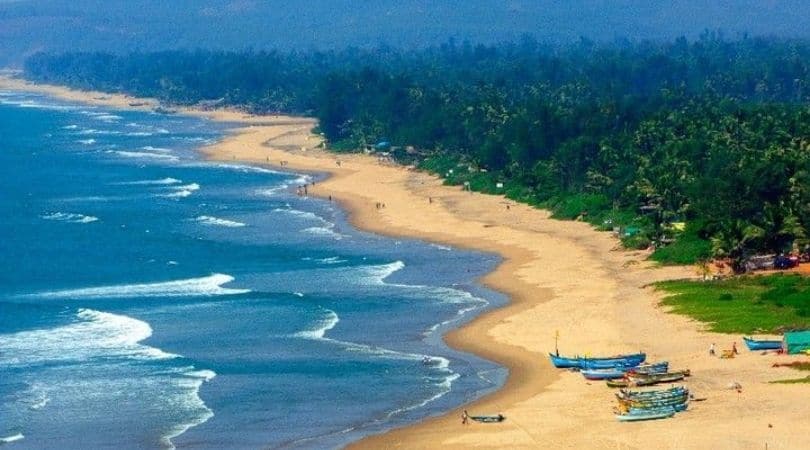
x=559 y=276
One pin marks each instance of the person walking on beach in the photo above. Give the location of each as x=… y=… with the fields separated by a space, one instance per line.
x=711 y=350
x=464 y=417
x=734 y=348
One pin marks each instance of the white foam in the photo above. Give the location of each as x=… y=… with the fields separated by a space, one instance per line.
x=12 y=438
x=70 y=127
x=94 y=132
x=107 y=117
x=323 y=326
x=151 y=155
x=182 y=191
x=240 y=168
x=139 y=133
x=331 y=260
x=160 y=182
x=205 y=286
x=209 y=220
x=69 y=217
x=86 y=141
x=94 y=334
x=323 y=231
x=149 y=148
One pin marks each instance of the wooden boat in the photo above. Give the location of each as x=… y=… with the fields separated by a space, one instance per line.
x=649 y=369
x=659 y=393
x=564 y=362
x=647 y=415
x=754 y=344
x=677 y=408
x=634 y=379
x=655 y=402
x=602 y=374
x=489 y=419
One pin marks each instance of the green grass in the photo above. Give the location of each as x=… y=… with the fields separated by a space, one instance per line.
x=687 y=249
x=745 y=305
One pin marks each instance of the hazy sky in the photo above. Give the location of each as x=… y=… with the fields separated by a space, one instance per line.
x=27 y=26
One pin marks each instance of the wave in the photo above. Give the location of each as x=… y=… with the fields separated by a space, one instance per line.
x=331 y=260
x=70 y=127
x=94 y=132
x=149 y=148
x=107 y=117
x=86 y=141
x=209 y=220
x=182 y=191
x=95 y=334
x=104 y=338
x=12 y=438
x=326 y=324
x=190 y=287
x=323 y=231
x=69 y=217
x=129 y=154
x=160 y=182
x=139 y=133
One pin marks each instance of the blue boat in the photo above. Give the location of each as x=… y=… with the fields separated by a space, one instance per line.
x=646 y=415
x=754 y=344
x=579 y=362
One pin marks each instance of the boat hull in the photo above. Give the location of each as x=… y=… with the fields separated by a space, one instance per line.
x=754 y=344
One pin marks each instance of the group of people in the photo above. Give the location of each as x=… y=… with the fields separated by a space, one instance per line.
x=713 y=349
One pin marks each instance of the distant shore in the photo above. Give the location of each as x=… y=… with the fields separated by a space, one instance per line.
x=560 y=276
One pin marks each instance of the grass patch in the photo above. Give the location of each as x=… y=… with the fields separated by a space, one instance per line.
x=753 y=304
x=687 y=249
x=793 y=381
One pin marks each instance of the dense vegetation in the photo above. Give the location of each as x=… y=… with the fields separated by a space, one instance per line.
x=747 y=305
x=713 y=134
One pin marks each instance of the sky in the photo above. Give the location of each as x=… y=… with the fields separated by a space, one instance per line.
x=28 y=26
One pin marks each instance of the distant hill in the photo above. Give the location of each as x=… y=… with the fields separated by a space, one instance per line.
x=28 y=26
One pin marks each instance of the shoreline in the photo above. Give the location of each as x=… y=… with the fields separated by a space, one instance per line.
x=558 y=275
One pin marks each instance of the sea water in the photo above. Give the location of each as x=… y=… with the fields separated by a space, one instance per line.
x=150 y=299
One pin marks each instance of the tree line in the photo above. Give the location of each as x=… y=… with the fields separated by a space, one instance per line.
x=701 y=148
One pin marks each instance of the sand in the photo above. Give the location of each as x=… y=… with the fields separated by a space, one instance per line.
x=560 y=276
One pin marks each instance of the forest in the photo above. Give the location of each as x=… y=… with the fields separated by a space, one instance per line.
x=699 y=148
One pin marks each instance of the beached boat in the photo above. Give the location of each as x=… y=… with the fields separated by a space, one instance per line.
x=602 y=374
x=649 y=369
x=754 y=344
x=677 y=408
x=632 y=379
x=648 y=415
x=654 y=402
x=489 y=419
x=677 y=390
x=579 y=362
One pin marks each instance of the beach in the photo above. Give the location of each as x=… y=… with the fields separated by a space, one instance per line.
x=560 y=276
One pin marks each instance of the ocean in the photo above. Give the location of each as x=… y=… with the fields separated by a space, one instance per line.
x=152 y=299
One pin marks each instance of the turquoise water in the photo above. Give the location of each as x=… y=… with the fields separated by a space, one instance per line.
x=149 y=299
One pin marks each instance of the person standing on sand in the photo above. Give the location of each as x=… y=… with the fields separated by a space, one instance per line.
x=711 y=350
x=464 y=417
x=734 y=348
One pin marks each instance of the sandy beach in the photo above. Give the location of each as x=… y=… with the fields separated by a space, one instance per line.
x=560 y=276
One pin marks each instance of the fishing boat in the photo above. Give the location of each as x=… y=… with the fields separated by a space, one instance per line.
x=646 y=415
x=649 y=369
x=489 y=419
x=654 y=403
x=754 y=344
x=579 y=362
x=602 y=374
x=677 y=408
x=632 y=379
x=659 y=393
